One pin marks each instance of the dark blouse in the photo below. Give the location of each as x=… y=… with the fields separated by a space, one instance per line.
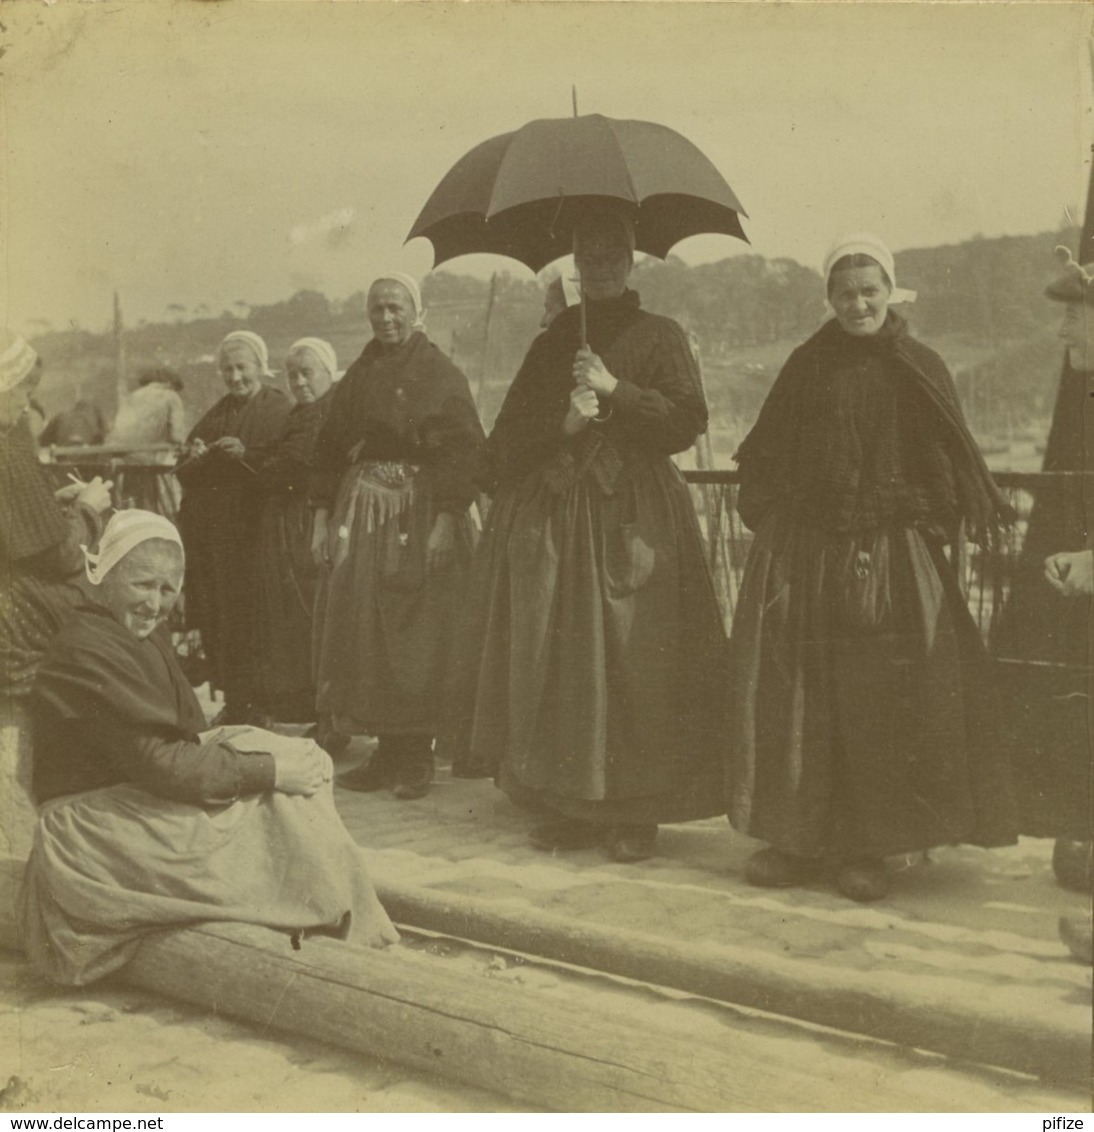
x=257 y=422
x=657 y=408
x=287 y=468
x=109 y=708
x=410 y=405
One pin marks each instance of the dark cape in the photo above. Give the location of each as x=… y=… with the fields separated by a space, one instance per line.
x=863 y=717
x=109 y=708
x=219 y=519
x=1042 y=640
x=287 y=574
x=591 y=677
x=397 y=448
x=40 y=549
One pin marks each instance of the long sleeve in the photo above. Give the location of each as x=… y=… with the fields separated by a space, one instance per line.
x=455 y=437
x=329 y=460
x=65 y=558
x=528 y=430
x=669 y=412
x=201 y=773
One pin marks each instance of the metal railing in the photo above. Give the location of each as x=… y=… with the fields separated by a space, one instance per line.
x=985 y=575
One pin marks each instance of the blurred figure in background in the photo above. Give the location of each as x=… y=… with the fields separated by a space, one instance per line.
x=220 y=518
x=151 y=415
x=561 y=293
x=83 y=424
x=287 y=572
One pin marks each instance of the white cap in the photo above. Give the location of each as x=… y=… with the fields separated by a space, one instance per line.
x=862 y=243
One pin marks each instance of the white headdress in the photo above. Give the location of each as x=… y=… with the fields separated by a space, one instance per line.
x=323 y=350
x=126 y=530
x=250 y=339
x=413 y=290
x=862 y=243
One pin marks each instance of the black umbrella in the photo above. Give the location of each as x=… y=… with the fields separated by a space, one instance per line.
x=520 y=194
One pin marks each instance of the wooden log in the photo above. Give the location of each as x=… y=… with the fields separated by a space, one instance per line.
x=1012 y=1027
x=494 y=1035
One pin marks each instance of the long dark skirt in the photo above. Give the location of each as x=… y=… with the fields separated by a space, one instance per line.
x=220 y=532
x=594 y=653
x=860 y=741
x=384 y=622
x=287 y=582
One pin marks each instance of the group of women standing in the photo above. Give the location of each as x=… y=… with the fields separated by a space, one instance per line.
x=851 y=716
x=578 y=655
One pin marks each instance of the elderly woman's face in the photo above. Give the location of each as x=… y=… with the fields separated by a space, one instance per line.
x=860 y=298
x=391 y=313
x=604 y=262
x=141 y=590
x=308 y=377
x=240 y=370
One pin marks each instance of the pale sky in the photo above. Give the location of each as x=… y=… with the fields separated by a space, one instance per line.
x=210 y=152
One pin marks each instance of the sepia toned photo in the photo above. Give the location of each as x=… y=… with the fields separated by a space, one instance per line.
x=548 y=558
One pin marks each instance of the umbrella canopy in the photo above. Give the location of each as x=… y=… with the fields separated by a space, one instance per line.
x=520 y=194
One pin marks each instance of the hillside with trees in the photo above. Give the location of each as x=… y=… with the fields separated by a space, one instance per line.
x=980 y=304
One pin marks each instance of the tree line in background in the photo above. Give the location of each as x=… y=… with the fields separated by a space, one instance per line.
x=980 y=303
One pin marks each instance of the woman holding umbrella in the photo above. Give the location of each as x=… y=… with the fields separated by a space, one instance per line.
x=595 y=646
x=862 y=717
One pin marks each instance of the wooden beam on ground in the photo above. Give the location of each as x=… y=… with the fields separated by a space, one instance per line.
x=1011 y=1028
x=493 y=1035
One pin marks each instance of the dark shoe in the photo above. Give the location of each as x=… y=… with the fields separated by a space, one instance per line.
x=374 y=775
x=1071 y=862
x=1076 y=934
x=414 y=771
x=864 y=880
x=569 y=833
x=633 y=843
x=772 y=868
x=333 y=742
x=408 y=791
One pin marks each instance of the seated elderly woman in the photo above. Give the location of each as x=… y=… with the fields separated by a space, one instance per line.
x=287 y=573
x=148 y=822
x=220 y=517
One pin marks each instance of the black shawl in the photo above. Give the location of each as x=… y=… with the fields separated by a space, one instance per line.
x=766 y=455
x=408 y=405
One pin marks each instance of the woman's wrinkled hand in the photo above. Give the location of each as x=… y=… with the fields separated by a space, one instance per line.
x=230 y=446
x=590 y=370
x=441 y=546
x=197 y=449
x=584 y=406
x=320 y=549
x=95 y=494
x=1071 y=574
x=68 y=493
x=302 y=769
